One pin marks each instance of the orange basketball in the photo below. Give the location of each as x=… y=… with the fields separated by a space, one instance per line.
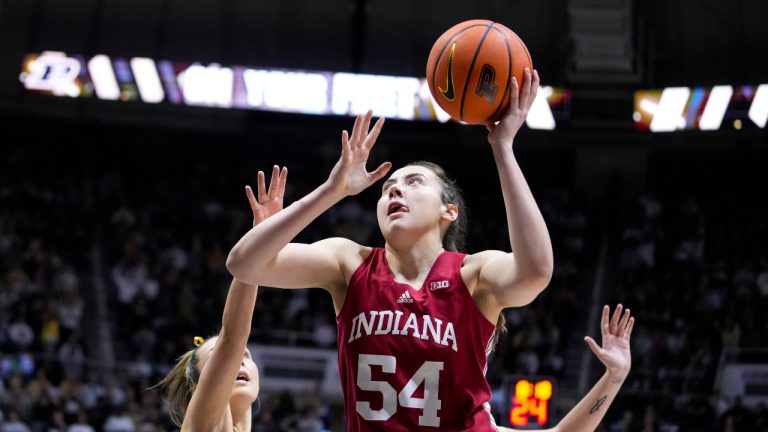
x=470 y=68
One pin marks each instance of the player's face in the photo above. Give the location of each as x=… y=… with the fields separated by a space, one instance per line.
x=246 y=386
x=410 y=202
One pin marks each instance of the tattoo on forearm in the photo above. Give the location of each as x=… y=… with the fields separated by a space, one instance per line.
x=617 y=380
x=598 y=404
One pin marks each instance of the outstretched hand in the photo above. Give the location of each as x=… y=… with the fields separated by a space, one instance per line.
x=614 y=353
x=349 y=176
x=269 y=201
x=520 y=101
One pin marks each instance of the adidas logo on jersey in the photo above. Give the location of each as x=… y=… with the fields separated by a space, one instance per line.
x=405 y=298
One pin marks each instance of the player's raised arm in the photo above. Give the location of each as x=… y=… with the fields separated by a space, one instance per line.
x=517 y=278
x=265 y=255
x=213 y=386
x=615 y=355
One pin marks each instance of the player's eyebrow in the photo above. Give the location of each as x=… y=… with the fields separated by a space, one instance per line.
x=391 y=181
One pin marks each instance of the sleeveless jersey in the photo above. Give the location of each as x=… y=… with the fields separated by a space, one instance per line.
x=413 y=360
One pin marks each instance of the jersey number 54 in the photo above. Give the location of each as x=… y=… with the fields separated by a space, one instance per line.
x=428 y=373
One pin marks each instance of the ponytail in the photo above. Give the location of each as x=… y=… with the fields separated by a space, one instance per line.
x=177 y=387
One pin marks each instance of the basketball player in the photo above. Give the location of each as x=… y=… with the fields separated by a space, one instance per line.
x=213 y=386
x=207 y=371
x=416 y=318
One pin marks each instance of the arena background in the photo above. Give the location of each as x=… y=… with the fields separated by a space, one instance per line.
x=116 y=216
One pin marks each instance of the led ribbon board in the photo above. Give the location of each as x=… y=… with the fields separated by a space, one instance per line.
x=720 y=107
x=145 y=80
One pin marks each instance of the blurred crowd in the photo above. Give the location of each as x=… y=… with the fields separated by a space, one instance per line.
x=695 y=271
x=64 y=238
x=155 y=244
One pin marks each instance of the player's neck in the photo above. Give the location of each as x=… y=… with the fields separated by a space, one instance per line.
x=241 y=418
x=414 y=260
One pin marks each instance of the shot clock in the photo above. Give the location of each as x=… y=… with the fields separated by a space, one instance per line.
x=530 y=400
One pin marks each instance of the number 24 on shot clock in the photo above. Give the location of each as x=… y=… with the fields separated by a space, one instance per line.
x=530 y=402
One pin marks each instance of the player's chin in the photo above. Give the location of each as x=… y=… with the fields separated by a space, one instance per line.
x=244 y=393
x=391 y=234
x=392 y=230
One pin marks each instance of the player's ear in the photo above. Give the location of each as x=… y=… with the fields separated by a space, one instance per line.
x=450 y=212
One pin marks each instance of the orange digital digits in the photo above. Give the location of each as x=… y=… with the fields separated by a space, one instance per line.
x=530 y=403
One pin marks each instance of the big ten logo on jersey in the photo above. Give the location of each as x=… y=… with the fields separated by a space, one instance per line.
x=485 y=85
x=52 y=71
x=443 y=284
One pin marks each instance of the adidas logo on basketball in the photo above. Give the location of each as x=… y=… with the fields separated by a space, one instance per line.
x=405 y=298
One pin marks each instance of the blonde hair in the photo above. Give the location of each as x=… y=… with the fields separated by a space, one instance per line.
x=178 y=386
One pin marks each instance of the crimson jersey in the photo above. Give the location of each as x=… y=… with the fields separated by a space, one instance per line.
x=413 y=359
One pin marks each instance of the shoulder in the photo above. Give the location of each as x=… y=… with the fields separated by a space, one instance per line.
x=350 y=254
x=472 y=273
x=337 y=243
x=475 y=262
x=484 y=256
x=344 y=248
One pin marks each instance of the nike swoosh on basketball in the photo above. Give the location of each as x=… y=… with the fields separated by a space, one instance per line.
x=448 y=93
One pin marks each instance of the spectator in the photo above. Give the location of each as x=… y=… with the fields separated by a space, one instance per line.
x=119 y=421
x=14 y=424
x=81 y=424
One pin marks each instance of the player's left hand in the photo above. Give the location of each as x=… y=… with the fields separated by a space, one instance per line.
x=520 y=101
x=614 y=353
x=269 y=201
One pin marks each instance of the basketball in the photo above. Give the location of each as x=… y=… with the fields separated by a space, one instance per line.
x=470 y=68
